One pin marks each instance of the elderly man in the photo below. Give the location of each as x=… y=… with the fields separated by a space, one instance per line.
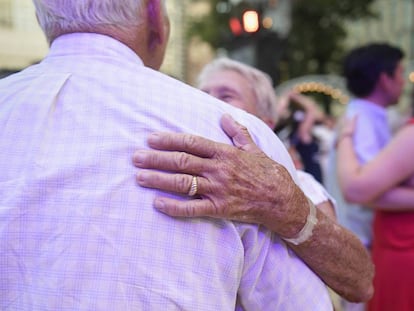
x=75 y=232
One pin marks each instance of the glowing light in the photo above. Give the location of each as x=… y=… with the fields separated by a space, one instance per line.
x=411 y=77
x=235 y=26
x=250 y=21
x=318 y=87
x=267 y=22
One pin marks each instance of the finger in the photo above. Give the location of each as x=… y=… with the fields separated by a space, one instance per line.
x=171 y=161
x=188 y=143
x=196 y=208
x=238 y=133
x=188 y=208
x=175 y=183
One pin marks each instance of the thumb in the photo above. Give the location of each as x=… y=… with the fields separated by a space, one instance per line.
x=238 y=133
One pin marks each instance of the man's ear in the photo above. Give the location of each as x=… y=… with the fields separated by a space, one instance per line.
x=157 y=32
x=385 y=80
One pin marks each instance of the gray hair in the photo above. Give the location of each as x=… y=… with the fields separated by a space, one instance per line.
x=260 y=83
x=58 y=17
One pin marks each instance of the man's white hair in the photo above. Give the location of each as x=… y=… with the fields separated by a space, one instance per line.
x=260 y=83
x=58 y=17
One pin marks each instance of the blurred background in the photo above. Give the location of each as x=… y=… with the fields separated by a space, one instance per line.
x=299 y=43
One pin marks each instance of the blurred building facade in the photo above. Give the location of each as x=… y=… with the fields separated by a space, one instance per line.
x=22 y=42
x=394 y=25
x=175 y=59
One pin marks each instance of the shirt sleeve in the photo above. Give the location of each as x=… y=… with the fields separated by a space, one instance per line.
x=274 y=278
x=313 y=189
x=365 y=138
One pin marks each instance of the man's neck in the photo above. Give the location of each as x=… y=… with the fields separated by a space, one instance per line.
x=377 y=100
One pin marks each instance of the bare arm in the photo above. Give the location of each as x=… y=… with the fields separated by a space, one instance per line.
x=312 y=114
x=241 y=183
x=379 y=182
x=396 y=199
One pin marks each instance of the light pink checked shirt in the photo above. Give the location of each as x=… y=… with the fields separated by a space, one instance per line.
x=77 y=233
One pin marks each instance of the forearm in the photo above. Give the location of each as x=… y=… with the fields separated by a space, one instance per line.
x=355 y=189
x=243 y=184
x=332 y=252
x=305 y=128
x=397 y=199
x=339 y=258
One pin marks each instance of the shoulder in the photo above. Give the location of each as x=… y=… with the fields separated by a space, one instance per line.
x=266 y=140
x=405 y=134
x=199 y=113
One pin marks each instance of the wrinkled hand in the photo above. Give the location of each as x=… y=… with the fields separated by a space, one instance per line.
x=234 y=182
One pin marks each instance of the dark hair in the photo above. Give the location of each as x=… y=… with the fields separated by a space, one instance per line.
x=364 y=65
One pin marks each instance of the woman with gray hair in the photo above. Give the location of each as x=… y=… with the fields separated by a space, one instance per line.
x=259 y=97
x=250 y=89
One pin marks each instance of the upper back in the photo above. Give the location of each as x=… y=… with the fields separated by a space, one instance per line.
x=86 y=234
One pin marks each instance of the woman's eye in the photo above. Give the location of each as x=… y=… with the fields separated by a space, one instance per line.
x=226 y=97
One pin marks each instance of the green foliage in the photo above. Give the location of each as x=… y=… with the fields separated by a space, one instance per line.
x=315 y=42
x=212 y=28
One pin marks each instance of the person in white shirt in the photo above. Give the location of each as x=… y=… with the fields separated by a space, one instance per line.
x=342 y=262
x=75 y=232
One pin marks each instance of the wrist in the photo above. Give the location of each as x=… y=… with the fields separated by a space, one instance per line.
x=342 y=137
x=307 y=230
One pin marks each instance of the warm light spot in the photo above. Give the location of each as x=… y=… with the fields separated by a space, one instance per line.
x=235 y=26
x=251 y=21
x=411 y=77
x=319 y=87
x=267 y=22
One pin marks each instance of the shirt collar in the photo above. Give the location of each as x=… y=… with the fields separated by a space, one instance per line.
x=83 y=44
x=369 y=106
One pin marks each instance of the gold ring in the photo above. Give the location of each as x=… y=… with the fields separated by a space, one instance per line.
x=193 y=187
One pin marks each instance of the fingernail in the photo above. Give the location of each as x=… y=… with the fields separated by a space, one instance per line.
x=142 y=178
x=159 y=204
x=138 y=157
x=153 y=137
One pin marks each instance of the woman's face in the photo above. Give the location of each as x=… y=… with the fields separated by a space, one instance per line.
x=232 y=88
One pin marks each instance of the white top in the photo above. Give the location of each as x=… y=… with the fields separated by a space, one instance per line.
x=372 y=133
x=313 y=189
x=77 y=233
